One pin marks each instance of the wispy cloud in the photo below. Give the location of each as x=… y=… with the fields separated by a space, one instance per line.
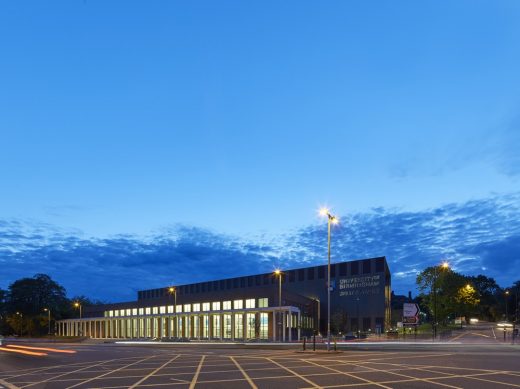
x=476 y=235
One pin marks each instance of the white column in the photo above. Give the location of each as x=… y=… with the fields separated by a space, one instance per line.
x=283 y=326
x=274 y=325
x=290 y=323
x=299 y=324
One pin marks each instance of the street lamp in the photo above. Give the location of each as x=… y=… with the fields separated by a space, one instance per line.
x=78 y=305
x=444 y=265
x=48 y=318
x=173 y=290
x=506 y=295
x=21 y=322
x=331 y=220
x=278 y=273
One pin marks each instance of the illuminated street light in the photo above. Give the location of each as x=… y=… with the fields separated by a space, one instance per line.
x=173 y=290
x=331 y=220
x=279 y=273
x=21 y=322
x=78 y=305
x=444 y=266
x=506 y=295
x=48 y=318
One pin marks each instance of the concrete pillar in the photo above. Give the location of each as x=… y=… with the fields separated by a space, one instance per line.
x=299 y=324
x=274 y=326
x=232 y=327
x=283 y=326
x=290 y=325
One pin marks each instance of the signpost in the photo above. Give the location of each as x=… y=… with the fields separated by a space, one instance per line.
x=410 y=314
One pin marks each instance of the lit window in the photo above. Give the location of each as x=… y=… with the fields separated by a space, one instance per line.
x=215 y=306
x=134 y=312
x=187 y=308
x=178 y=308
x=141 y=311
x=155 y=310
x=226 y=305
x=170 y=308
x=128 y=312
x=250 y=303
x=205 y=306
x=162 y=309
x=238 y=304
x=196 y=307
x=148 y=310
x=116 y=312
x=263 y=303
x=111 y=313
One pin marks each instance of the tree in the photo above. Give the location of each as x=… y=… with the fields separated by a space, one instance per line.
x=29 y=297
x=439 y=288
x=467 y=299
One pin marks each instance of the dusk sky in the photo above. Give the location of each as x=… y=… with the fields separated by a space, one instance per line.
x=148 y=143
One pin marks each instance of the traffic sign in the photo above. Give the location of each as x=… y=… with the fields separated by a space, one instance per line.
x=410 y=314
x=410 y=310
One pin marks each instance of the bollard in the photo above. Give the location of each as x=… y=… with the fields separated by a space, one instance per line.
x=304 y=338
x=335 y=346
x=314 y=343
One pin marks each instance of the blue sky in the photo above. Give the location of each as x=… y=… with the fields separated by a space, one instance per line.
x=130 y=127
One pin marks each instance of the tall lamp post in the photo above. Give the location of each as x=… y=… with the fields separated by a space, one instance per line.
x=506 y=295
x=278 y=273
x=331 y=219
x=78 y=305
x=443 y=266
x=21 y=322
x=173 y=290
x=48 y=310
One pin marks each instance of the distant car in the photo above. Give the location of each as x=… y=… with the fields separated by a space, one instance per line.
x=504 y=324
x=473 y=320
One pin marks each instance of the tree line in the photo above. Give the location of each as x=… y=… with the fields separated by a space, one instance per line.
x=28 y=303
x=447 y=294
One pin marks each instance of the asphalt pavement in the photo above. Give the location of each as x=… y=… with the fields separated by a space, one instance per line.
x=90 y=365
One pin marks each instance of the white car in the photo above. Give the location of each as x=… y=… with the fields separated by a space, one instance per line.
x=473 y=320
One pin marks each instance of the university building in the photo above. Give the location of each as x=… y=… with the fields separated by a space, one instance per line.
x=249 y=308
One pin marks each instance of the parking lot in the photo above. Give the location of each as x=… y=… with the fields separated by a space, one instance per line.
x=125 y=366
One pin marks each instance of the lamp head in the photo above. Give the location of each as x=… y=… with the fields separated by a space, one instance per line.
x=277 y=272
x=324 y=211
x=445 y=265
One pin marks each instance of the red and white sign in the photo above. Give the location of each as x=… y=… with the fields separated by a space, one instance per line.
x=410 y=313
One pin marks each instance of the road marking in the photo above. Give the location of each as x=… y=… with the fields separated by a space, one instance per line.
x=108 y=372
x=7 y=385
x=244 y=373
x=196 y=376
x=347 y=374
x=155 y=371
x=70 y=372
x=314 y=385
x=407 y=376
x=495 y=382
